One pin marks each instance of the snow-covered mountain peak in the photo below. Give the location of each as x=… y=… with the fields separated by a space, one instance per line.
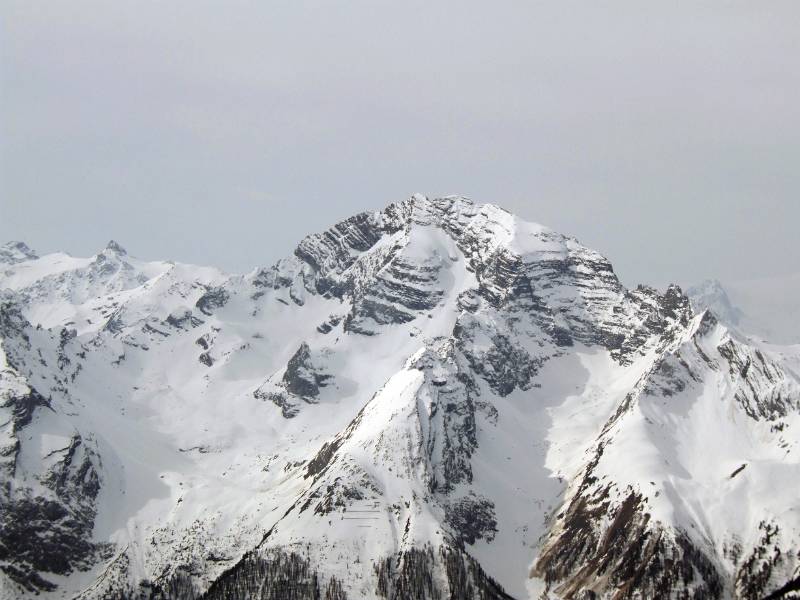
x=437 y=399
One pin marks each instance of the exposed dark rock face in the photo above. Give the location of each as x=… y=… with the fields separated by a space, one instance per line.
x=760 y=385
x=318 y=465
x=280 y=399
x=504 y=365
x=330 y=253
x=400 y=291
x=115 y=247
x=213 y=299
x=328 y=325
x=762 y=390
x=335 y=496
x=274 y=575
x=48 y=529
x=629 y=558
x=788 y=591
x=472 y=518
x=756 y=574
x=451 y=427
x=651 y=316
x=271 y=575
x=52 y=533
x=416 y=574
x=302 y=378
x=12 y=322
x=21 y=409
x=183 y=320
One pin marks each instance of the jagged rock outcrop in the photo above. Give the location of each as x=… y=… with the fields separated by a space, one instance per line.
x=213 y=299
x=302 y=379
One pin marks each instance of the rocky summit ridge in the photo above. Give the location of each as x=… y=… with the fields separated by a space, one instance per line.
x=435 y=400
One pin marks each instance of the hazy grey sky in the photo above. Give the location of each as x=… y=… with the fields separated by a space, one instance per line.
x=665 y=135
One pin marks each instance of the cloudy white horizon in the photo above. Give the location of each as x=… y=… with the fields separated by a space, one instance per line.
x=667 y=137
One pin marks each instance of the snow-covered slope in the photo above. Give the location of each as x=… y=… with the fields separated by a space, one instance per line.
x=436 y=400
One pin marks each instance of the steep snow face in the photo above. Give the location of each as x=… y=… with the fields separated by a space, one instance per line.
x=434 y=400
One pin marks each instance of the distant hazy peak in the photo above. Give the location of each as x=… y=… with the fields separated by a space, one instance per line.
x=115 y=247
x=710 y=294
x=15 y=251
